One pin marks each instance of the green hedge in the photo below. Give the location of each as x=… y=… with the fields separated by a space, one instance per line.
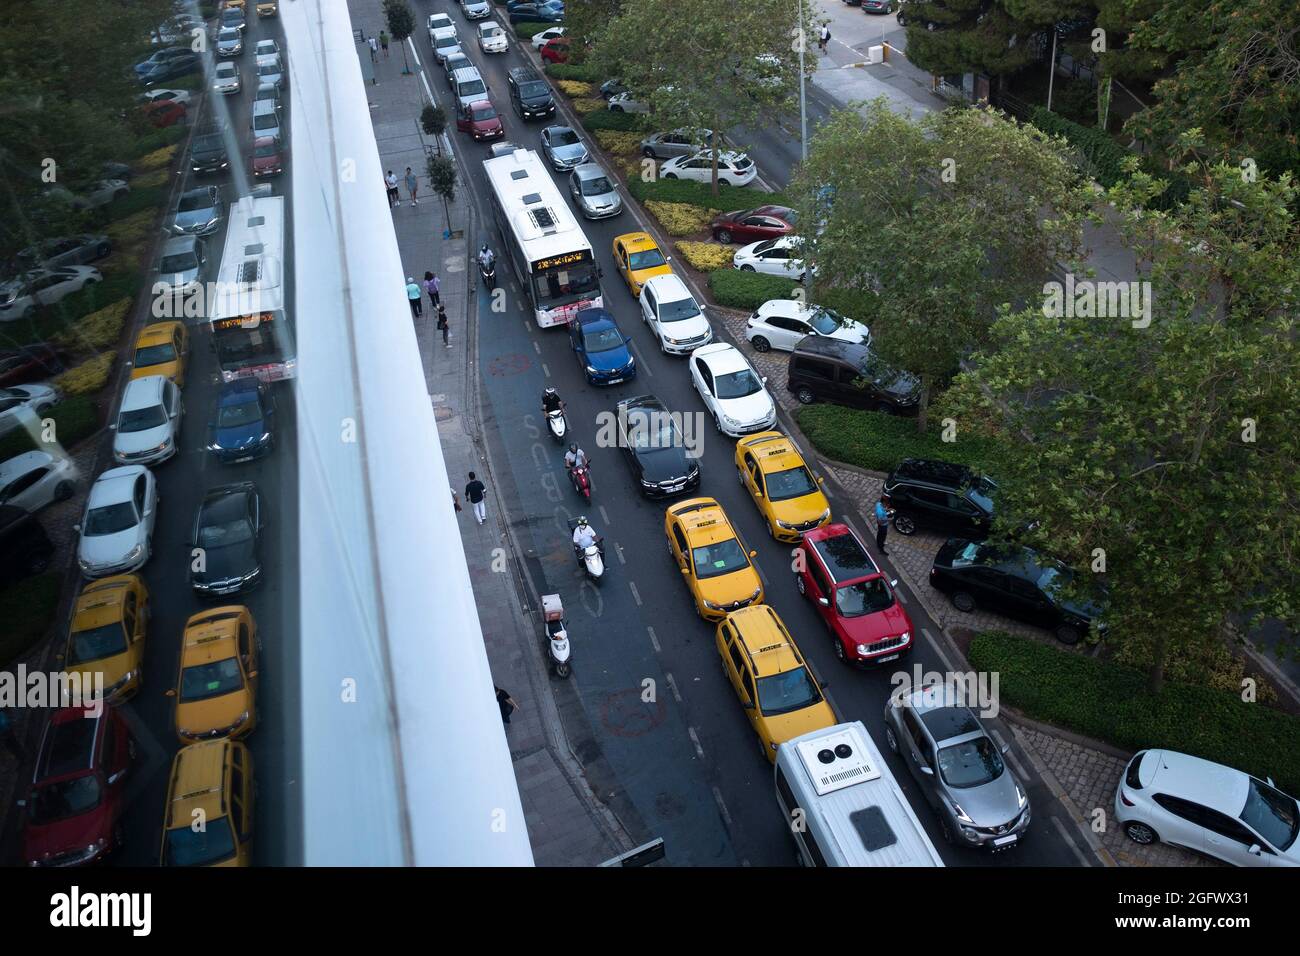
x=1104 y=156
x=582 y=72
x=27 y=608
x=74 y=419
x=748 y=290
x=608 y=119
x=1110 y=702
x=157 y=140
x=45 y=323
x=701 y=194
x=151 y=197
x=878 y=441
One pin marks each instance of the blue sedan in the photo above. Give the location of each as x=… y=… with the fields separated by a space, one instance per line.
x=243 y=427
x=601 y=347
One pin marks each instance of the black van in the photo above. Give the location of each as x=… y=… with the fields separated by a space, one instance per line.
x=25 y=548
x=951 y=498
x=529 y=93
x=850 y=373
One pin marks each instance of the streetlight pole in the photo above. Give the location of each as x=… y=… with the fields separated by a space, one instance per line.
x=803 y=103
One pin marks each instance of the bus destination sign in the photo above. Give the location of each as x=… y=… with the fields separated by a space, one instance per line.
x=568 y=259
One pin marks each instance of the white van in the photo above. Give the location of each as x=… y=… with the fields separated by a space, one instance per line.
x=842 y=804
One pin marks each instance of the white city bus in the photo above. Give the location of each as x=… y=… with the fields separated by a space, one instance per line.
x=546 y=247
x=250 y=327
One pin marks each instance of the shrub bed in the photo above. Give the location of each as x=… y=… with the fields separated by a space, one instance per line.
x=88 y=377
x=1110 y=702
x=681 y=219
x=575 y=88
x=582 y=72
x=156 y=140
x=878 y=441
x=587 y=104
x=705 y=256
x=701 y=194
x=618 y=143
x=27 y=608
x=99 y=330
x=748 y=290
x=607 y=119
x=74 y=419
x=158 y=159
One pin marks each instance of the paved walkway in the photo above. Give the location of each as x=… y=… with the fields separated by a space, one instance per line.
x=566 y=824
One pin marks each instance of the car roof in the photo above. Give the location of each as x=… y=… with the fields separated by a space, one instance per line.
x=722 y=357
x=114 y=486
x=210 y=635
x=197 y=779
x=466 y=73
x=100 y=602
x=770 y=647
x=668 y=282
x=21 y=464
x=155 y=333
x=1194 y=778
x=641 y=403
x=637 y=241
x=852 y=352
x=942 y=708
x=703 y=521
x=773 y=451
x=143 y=392
x=935 y=471
x=594 y=317
x=588 y=171
x=69 y=744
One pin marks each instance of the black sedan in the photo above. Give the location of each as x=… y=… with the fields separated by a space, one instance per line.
x=227 y=533
x=535 y=13
x=66 y=251
x=656 y=450
x=1018 y=582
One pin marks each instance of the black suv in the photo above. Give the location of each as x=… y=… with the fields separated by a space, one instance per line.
x=529 y=93
x=850 y=373
x=208 y=151
x=940 y=495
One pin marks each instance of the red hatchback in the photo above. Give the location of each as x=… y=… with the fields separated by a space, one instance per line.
x=268 y=156
x=556 y=51
x=164 y=113
x=856 y=602
x=480 y=120
x=753 y=225
x=77 y=787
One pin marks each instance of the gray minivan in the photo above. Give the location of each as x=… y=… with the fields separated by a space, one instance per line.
x=266 y=119
x=468 y=86
x=849 y=373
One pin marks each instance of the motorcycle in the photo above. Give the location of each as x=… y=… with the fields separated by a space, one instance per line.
x=591 y=558
x=557 y=636
x=557 y=424
x=581 y=480
x=488 y=270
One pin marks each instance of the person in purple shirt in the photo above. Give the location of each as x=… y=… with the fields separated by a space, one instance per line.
x=434 y=288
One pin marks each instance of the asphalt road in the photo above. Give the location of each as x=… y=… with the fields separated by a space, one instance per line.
x=685 y=766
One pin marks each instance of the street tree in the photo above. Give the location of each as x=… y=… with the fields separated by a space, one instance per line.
x=401 y=24
x=433 y=119
x=945 y=219
x=442 y=179
x=1163 y=450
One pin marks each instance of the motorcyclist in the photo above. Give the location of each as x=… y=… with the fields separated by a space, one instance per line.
x=551 y=401
x=575 y=457
x=584 y=536
x=485 y=257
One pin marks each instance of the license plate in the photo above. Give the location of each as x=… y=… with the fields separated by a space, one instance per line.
x=613 y=381
x=887 y=658
x=1006 y=840
x=678 y=487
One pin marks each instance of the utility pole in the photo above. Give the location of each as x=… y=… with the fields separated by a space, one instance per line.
x=1051 y=70
x=803 y=104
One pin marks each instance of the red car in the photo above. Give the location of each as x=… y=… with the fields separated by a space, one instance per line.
x=164 y=112
x=268 y=156
x=77 y=788
x=29 y=363
x=856 y=602
x=753 y=225
x=480 y=120
x=556 y=50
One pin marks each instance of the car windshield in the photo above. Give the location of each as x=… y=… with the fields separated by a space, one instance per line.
x=155 y=354
x=791 y=483
x=981 y=494
x=141 y=419
x=559 y=286
x=967 y=555
x=483 y=113
x=1271 y=814
x=787 y=692
x=110 y=519
x=864 y=597
x=212 y=844
x=737 y=384
x=596 y=187
x=646 y=259
x=224 y=534
x=267 y=150
x=228 y=33
x=196 y=200
x=210 y=680
x=656 y=430
x=676 y=311
x=472 y=88
x=825 y=321
x=181 y=262
x=96 y=643
x=601 y=340
x=267 y=120
x=493 y=32
x=724 y=557
x=971 y=763
x=236 y=416
x=533 y=90
x=68 y=798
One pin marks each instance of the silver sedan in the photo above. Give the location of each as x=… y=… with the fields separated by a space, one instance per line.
x=594 y=193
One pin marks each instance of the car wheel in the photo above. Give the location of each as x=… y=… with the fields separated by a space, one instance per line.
x=805 y=396
x=104 y=250
x=1068 y=634
x=760 y=344
x=648 y=153
x=746 y=268
x=840 y=654
x=119 y=194
x=670 y=175
x=767 y=523
x=1141 y=833
x=963 y=602
x=884 y=408
x=904 y=525
x=615 y=109
x=890 y=739
x=800 y=586
x=64 y=491
x=724 y=236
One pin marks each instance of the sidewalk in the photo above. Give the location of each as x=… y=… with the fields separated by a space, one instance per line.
x=566 y=824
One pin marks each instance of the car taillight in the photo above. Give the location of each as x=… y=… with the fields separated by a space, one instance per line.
x=1123 y=798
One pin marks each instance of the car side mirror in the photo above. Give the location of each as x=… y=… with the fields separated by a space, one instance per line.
x=928 y=771
x=170 y=692
x=749 y=705
x=77 y=528
x=20 y=803
x=753 y=554
x=824 y=602
x=252 y=674
x=112 y=426
x=114 y=778
x=893 y=583
x=1255 y=850
x=1006 y=748
x=821 y=480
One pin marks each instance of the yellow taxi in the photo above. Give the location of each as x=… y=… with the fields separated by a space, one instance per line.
x=236 y=4
x=638 y=258
x=162 y=349
x=216 y=692
x=208 y=817
x=713 y=560
x=773 y=472
x=109 y=621
x=776 y=687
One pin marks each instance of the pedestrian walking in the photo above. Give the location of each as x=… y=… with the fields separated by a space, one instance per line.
x=884 y=515
x=433 y=286
x=412 y=185
x=390 y=182
x=10 y=738
x=383 y=42
x=413 y=294
x=825 y=37
x=505 y=702
x=443 y=326
x=476 y=492
x=374 y=49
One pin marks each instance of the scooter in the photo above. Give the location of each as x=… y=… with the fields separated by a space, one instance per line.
x=591 y=558
x=557 y=636
x=557 y=425
x=488 y=271
x=581 y=480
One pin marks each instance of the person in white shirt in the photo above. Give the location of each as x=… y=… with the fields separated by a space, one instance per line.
x=575 y=457
x=584 y=536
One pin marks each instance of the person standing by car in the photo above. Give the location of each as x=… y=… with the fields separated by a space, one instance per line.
x=413 y=294
x=884 y=514
x=390 y=181
x=476 y=492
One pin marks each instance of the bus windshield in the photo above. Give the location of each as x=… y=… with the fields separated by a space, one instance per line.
x=556 y=287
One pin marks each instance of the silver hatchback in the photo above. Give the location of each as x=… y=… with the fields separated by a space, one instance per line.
x=958 y=766
x=594 y=192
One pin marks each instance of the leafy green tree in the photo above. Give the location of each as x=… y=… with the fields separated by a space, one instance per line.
x=943 y=219
x=401 y=24
x=442 y=179
x=949 y=37
x=583 y=21
x=1164 y=452
x=433 y=119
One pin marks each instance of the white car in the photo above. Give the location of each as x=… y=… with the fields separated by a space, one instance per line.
x=148 y=426
x=1207 y=808
x=475 y=9
x=36 y=479
x=492 y=38
x=225 y=78
x=20 y=296
x=18 y=400
x=782 y=323
x=447 y=46
x=440 y=25
x=99 y=193
x=731 y=390
x=673 y=315
x=165 y=96
x=774 y=257
x=266 y=48
x=117 y=529
x=734 y=169
x=541 y=38
x=624 y=103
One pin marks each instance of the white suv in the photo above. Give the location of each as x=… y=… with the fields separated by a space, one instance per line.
x=1207 y=808
x=673 y=315
x=148 y=424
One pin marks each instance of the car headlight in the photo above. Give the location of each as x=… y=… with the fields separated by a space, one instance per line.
x=784 y=524
x=265 y=437
x=905 y=637
x=646 y=483
x=214 y=447
x=962 y=815
x=863 y=650
x=1021 y=799
x=824 y=515
x=711 y=606
x=695 y=470
x=135 y=552
x=592 y=371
